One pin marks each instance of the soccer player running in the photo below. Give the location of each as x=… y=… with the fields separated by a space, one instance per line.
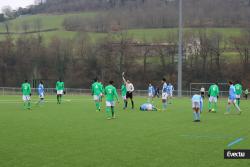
x=164 y=94
x=124 y=93
x=130 y=89
x=150 y=93
x=40 y=90
x=26 y=91
x=197 y=104
x=238 y=88
x=59 y=90
x=96 y=90
x=232 y=98
x=213 y=93
x=111 y=95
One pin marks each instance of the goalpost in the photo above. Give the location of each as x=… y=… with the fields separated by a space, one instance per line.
x=196 y=88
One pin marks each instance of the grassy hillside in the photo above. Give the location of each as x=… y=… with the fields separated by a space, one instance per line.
x=161 y=33
x=48 y=20
x=56 y=22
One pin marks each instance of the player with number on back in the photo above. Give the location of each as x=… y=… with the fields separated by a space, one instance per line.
x=26 y=91
x=213 y=94
x=59 y=90
x=111 y=95
x=238 y=89
x=96 y=90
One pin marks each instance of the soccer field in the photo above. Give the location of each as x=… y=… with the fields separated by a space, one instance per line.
x=73 y=134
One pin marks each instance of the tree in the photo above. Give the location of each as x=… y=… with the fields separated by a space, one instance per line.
x=7 y=11
x=2 y=19
x=242 y=45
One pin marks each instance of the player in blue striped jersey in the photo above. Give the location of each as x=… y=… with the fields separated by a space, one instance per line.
x=151 y=93
x=164 y=94
x=170 y=94
x=40 y=90
x=232 y=98
x=197 y=104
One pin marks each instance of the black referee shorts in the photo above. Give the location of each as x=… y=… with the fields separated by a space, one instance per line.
x=129 y=95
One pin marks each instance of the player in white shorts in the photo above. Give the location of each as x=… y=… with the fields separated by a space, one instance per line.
x=40 y=93
x=164 y=94
x=59 y=90
x=150 y=93
x=170 y=92
x=197 y=104
x=26 y=92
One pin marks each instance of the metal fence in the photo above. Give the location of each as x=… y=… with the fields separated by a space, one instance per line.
x=4 y=91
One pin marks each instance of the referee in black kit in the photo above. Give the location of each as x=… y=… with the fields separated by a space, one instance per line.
x=130 y=89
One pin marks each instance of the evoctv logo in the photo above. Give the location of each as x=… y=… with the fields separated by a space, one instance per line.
x=236 y=154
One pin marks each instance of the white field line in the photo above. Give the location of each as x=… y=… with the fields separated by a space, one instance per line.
x=194 y=136
x=46 y=101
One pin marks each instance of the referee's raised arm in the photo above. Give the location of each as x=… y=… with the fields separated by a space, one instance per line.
x=123 y=78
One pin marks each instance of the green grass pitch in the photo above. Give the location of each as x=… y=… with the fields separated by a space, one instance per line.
x=73 y=134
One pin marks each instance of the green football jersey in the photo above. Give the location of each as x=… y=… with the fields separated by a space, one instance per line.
x=238 y=89
x=111 y=93
x=124 y=90
x=213 y=90
x=59 y=85
x=26 y=90
x=102 y=87
x=96 y=88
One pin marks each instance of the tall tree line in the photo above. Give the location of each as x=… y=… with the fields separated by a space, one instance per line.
x=79 y=60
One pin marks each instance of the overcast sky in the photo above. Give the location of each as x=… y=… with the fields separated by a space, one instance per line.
x=15 y=3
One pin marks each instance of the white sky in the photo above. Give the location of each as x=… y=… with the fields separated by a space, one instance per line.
x=15 y=3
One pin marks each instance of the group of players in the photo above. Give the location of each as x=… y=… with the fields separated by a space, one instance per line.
x=235 y=92
x=110 y=92
x=26 y=92
x=127 y=89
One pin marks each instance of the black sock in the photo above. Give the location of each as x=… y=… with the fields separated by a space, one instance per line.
x=112 y=111
x=132 y=103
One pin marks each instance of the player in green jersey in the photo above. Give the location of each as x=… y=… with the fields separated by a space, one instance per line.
x=102 y=90
x=59 y=90
x=96 y=90
x=26 y=91
x=238 y=88
x=124 y=93
x=213 y=93
x=111 y=96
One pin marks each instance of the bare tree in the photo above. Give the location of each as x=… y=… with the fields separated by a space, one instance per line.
x=7 y=11
x=242 y=45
